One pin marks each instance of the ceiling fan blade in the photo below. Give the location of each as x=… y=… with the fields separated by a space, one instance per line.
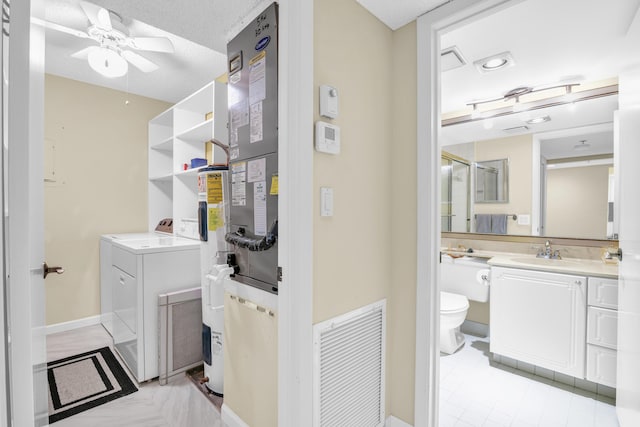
x=84 y=53
x=153 y=44
x=104 y=19
x=61 y=28
x=139 y=61
x=91 y=10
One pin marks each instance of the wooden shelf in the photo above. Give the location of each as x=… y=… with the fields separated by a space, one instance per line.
x=161 y=178
x=166 y=145
x=175 y=137
x=201 y=132
x=188 y=172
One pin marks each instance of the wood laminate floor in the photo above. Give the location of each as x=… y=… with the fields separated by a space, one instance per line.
x=177 y=404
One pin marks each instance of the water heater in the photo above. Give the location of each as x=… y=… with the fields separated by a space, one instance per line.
x=253 y=151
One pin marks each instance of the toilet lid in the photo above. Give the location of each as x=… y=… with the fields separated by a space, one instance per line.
x=452 y=302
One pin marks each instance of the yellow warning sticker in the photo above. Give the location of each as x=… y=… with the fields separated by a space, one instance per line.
x=258 y=57
x=274 y=186
x=214 y=188
x=216 y=220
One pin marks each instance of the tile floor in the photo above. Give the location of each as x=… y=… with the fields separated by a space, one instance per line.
x=475 y=392
x=176 y=404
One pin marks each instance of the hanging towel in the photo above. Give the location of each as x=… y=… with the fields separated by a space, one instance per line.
x=499 y=224
x=483 y=223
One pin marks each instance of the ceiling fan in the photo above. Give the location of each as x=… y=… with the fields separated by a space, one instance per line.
x=113 y=52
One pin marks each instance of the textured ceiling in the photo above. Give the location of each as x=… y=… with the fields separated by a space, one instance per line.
x=198 y=29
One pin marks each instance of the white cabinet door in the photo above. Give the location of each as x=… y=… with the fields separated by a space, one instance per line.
x=539 y=318
x=603 y=292
x=601 y=365
x=602 y=327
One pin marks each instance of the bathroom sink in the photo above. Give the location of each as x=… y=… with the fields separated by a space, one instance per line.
x=547 y=262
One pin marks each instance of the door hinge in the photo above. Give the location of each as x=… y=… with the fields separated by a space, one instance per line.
x=279 y=274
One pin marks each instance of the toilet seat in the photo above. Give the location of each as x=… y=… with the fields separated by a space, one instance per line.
x=452 y=303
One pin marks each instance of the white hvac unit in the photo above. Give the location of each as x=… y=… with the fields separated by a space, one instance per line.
x=349 y=368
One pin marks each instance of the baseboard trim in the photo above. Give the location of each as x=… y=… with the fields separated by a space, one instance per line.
x=230 y=418
x=475 y=328
x=395 y=422
x=72 y=324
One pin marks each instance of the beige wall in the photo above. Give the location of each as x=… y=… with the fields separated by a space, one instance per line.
x=351 y=249
x=97 y=147
x=577 y=202
x=403 y=170
x=518 y=149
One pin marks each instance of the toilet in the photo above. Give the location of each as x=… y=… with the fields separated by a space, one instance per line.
x=461 y=280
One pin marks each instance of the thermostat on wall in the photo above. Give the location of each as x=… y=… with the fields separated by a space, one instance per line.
x=327 y=138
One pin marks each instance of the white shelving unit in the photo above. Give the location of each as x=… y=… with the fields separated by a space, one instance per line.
x=175 y=137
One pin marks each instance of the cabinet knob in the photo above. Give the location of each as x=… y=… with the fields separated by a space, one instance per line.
x=578 y=282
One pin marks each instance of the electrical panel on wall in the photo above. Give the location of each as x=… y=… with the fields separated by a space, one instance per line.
x=253 y=150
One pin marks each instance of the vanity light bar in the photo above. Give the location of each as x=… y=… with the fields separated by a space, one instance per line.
x=536 y=105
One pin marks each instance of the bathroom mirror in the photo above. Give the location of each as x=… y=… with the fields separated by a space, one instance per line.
x=558 y=180
x=492 y=181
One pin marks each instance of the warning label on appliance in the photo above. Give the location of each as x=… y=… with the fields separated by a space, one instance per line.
x=274 y=185
x=239 y=184
x=256 y=123
x=239 y=113
x=214 y=188
x=216 y=220
x=256 y=170
x=260 y=208
x=257 y=81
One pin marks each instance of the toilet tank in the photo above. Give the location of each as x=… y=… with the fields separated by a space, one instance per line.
x=466 y=276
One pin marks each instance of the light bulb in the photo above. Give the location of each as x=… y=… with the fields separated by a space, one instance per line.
x=107 y=62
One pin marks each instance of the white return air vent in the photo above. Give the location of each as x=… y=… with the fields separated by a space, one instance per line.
x=349 y=366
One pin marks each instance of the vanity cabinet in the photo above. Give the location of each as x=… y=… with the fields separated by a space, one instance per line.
x=539 y=318
x=602 y=330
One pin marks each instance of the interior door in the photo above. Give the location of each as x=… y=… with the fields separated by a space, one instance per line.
x=23 y=217
x=628 y=375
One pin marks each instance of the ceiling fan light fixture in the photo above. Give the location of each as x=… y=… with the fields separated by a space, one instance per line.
x=583 y=145
x=107 y=62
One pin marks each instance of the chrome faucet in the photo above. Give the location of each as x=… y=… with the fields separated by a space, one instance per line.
x=548 y=252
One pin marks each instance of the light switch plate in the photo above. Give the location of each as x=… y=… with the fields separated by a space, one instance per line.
x=524 y=219
x=326 y=201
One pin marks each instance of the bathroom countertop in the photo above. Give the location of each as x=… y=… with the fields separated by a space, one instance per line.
x=585 y=267
x=456 y=253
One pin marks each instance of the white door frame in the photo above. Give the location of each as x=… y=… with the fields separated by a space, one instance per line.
x=295 y=293
x=25 y=248
x=429 y=28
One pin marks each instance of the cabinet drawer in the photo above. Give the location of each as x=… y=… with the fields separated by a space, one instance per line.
x=125 y=261
x=601 y=365
x=603 y=292
x=602 y=327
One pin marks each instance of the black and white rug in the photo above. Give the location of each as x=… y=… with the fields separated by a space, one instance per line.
x=84 y=381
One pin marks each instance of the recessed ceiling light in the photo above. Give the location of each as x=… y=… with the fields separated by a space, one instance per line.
x=538 y=120
x=494 y=62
